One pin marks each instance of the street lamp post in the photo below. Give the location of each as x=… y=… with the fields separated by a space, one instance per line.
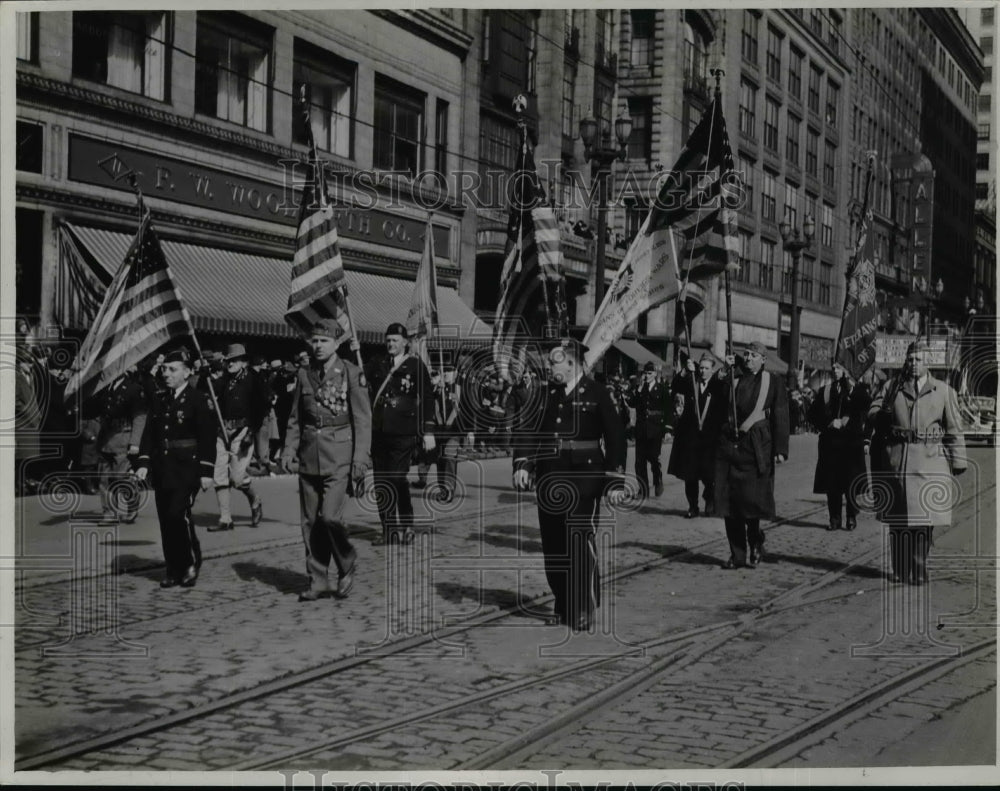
x=795 y=240
x=603 y=155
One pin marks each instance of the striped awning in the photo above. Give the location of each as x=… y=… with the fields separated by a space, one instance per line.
x=234 y=293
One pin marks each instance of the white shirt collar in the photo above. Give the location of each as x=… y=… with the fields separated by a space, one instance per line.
x=180 y=390
x=398 y=359
x=921 y=381
x=572 y=383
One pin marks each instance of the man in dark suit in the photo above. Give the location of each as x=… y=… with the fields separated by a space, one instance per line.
x=747 y=452
x=572 y=472
x=329 y=431
x=122 y=419
x=649 y=399
x=700 y=401
x=402 y=416
x=178 y=451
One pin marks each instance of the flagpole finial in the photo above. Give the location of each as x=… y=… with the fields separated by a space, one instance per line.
x=872 y=156
x=718 y=73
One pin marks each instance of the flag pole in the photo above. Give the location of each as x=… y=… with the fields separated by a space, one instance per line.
x=319 y=177
x=145 y=215
x=520 y=197
x=435 y=326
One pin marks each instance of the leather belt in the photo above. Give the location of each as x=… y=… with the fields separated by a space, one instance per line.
x=180 y=444
x=563 y=445
x=328 y=422
x=908 y=435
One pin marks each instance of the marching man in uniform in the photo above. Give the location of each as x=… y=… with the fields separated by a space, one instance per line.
x=178 y=451
x=122 y=420
x=244 y=402
x=572 y=471
x=747 y=453
x=649 y=401
x=329 y=430
x=402 y=415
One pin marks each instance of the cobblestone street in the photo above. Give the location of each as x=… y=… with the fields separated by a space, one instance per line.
x=445 y=656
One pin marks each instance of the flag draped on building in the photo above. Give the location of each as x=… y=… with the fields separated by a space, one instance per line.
x=141 y=312
x=532 y=262
x=856 y=344
x=318 y=282
x=688 y=235
x=423 y=315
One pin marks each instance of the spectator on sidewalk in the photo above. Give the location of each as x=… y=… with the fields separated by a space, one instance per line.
x=329 y=433
x=747 y=453
x=917 y=447
x=177 y=453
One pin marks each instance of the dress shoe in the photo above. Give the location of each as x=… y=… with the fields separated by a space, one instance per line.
x=852 y=523
x=256 y=512
x=691 y=513
x=169 y=582
x=756 y=556
x=313 y=595
x=220 y=527
x=751 y=563
x=189 y=579
x=345 y=583
x=895 y=577
x=658 y=488
x=730 y=564
x=709 y=509
x=834 y=523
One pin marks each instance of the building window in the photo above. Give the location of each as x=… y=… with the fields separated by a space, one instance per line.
x=806 y=277
x=773 y=57
x=792 y=204
x=786 y=272
x=499 y=144
x=816 y=23
x=605 y=49
x=768 y=203
x=29 y=147
x=126 y=50
x=328 y=82
x=398 y=128
x=603 y=96
x=832 y=102
x=27 y=36
x=695 y=60
x=829 y=163
x=765 y=274
x=984 y=103
x=746 y=173
x=635 y=216
x=569 y=101
x=826 y=226
x=983 y=131
x=643 y=23
x=812 y=153
x=833 y=35
x=983 y=160
x=233 y=70
x=795 y=59
x=770 y=124
x=743 y=274
x=985 y=44
x=986 y=16
x=441 y=137
x=748 y=112
x=751 y=23
x=532 y=54
x=815 y=78
x=825 y=283
x=640 y=142
x=792 y=140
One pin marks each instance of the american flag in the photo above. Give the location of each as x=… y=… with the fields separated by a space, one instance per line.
x=318 y=283
x=423 y=315
x=690 y=227
x=141 y=312
x=533 y=256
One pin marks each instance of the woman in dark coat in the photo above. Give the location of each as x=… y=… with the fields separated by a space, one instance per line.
x=839 y=411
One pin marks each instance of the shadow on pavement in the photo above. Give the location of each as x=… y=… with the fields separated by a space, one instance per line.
x=281 y=579
x=131 y=542
x=824 y=564
x=803 y=523
x=675 y=552
x=136 y=565
x=506 y=536
x=454 y=593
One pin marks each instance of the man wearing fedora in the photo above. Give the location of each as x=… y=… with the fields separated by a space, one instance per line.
x=746 y=455
x=402 y=417
x=329 y=431
x=244 y=403
x=649 y=401
x=177 y=452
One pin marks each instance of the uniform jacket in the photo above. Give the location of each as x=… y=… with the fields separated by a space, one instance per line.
x=244 y=399
x=123 y=411
x=585 y=415
x=329 y=425
x=841 y=458
x=694 y=445
x=918 y=445
x=744 y=471
x=189 y=421
x=405 y=406
x=650 y=403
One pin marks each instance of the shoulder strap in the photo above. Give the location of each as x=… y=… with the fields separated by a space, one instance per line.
x=758 y=409
x=388 y=376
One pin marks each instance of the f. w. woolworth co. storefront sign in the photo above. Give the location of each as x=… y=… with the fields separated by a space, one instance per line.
x=99 y=162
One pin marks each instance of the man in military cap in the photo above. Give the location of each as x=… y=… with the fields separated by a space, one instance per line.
x=649 y=399
x=747 y=453
x=122 y=418
x=402 y=417
x=566 y=454
x=699 y=402
x=244 y=402
x=448 y=433
x=177 y=452
x=329 y=431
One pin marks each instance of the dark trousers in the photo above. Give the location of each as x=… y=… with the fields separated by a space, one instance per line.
x=445 y=457
x=181 y=548
x=391 y=458
x=119 y=493
x=835 y=501
x=566 y=520
x=322 y=499
x=647 y=452
x=691 y=491
x=743 y=534
x=909 y=546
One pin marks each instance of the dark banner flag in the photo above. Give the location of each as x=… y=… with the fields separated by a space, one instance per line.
x=856 y=344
